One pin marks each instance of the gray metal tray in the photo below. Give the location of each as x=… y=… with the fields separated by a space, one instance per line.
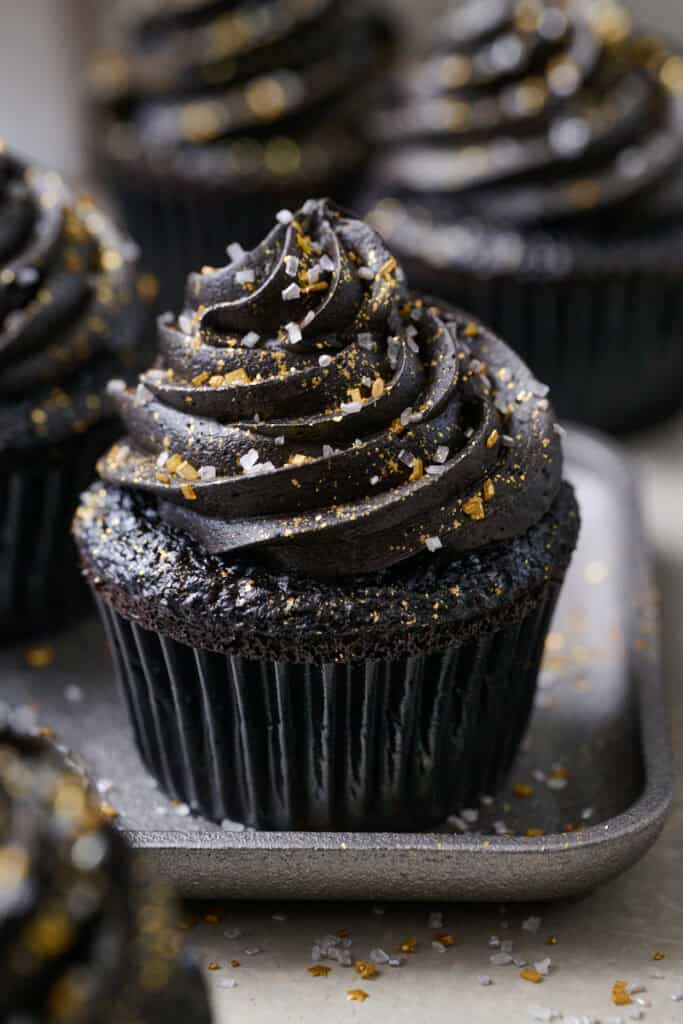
x=599 y=735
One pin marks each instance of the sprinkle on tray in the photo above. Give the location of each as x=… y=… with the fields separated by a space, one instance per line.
x=39 y=656
x=551 y=940
x=356 y=995
x=444 y=938
x=620 y=994
x=658 y=955
x=471 y=331
x=213 y=966
x=188 y=492
x=408 y=946
x=366 y=969
x=534 y=833
x=319 y=970
x=492 y=439
x=531 y=974
x=522 y=790
x=235 y=964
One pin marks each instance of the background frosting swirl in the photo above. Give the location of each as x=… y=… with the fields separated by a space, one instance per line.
x=534 y=112
x=307 y=409
x=70 y=316
x=239 y=88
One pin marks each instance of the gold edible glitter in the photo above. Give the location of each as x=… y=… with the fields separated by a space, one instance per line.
x=319 y=971
x=40 y=656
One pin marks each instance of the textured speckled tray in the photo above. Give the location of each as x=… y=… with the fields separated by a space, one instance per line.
x=597 y=759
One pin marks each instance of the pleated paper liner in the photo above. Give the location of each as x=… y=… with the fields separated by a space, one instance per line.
x=182 y=227
x=41 y=587
x=376 y=745
x=611 y=349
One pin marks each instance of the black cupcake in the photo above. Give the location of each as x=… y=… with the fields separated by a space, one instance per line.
x=211 y=116
x=328 y=551
x=531 y=171
x=85 y=937
x=71 y=318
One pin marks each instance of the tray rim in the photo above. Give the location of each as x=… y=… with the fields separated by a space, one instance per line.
x=639 y=824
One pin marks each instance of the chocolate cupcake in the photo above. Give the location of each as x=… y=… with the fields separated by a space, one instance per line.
x=531 y=171
x=85 y=937
x=329 y=548
x=211 y=116
x=71 y=319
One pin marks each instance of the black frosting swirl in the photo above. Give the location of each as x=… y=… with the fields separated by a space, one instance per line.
x=239 y=89
x=535 y=112
x=70 y=313
x=308 y=409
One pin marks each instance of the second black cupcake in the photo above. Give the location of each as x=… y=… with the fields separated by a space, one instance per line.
x=209 y=117
x=531 y=171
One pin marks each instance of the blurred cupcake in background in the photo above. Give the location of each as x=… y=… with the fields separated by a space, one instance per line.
x=531 y=170
x=211 y=116
x=85 y=936
x=72 y=316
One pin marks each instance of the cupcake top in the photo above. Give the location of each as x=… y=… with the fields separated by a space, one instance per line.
x=531 y=114
x=308 y=412
x=70 y=311
x=255 y=92
x=71 y=902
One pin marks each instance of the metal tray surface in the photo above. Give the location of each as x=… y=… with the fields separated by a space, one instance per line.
x=597 y=757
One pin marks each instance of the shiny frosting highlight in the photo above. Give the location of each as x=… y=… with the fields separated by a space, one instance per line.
x=309 y=411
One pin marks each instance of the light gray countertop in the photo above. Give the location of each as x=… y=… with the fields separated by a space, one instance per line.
x=612 y=934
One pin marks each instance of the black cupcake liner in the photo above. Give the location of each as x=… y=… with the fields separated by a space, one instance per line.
x=41 y=587
x=375 y=745
x=186 y=226
x=609 y=347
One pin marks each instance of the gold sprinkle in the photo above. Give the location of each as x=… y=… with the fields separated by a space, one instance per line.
x=522 y=790
x=356 y=995
x=49 y=936
x=213 y=966
x=408 y=946
x=107 y=810
x=620 y=996
x=39 y=656
x=534 y=833
x=214 y=918
x=237 y=377
x=148 y=287
x=366 y=969
x=319 y=971
x=531 y=974
x=378 y=387
x=417 y=471
x=111 y=259
x=234 y=964
x=472 y=330
x=201 y=378
x=584 y=194
x=39 y=416
x=188 y=492
x=658 y=955
x=187 y=471
x=489 y=490
x=560 y=772
x=474 y=508
x=492 y=439
x=298 y=459
x=551 y=940
x=445 y=938
x=344 y=933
